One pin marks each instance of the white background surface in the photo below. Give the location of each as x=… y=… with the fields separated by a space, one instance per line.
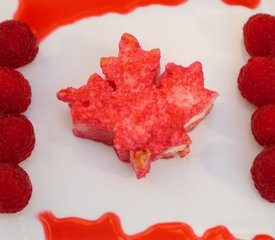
x=78 y=177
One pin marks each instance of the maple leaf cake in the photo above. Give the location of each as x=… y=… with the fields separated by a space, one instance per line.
x=143 y=115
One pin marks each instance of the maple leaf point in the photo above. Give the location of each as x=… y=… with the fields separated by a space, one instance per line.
x=134 y=68
x=143 y=115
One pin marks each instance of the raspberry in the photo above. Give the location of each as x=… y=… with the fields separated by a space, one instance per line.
x=18 y=45
x=263 y=173
x=16 y=139
x=15 y=190
x=15 y=94
x=259 y=35
x=256 y=81
x=263 y=125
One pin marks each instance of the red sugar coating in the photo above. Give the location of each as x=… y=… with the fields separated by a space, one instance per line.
x=148 y=123
x=263 y=173
x=259 y=35
x=15 y=93
x=134 y=68
x=184 y=89
x=91 y=109
x=256 y=81
x=143 y=120
x=263 y=125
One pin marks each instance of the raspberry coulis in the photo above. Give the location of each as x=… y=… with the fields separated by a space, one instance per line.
x=245 y=3
x=109 y=227
x=46 y=16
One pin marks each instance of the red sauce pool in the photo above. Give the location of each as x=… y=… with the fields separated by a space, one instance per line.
x=108 y=227
x=44 y=16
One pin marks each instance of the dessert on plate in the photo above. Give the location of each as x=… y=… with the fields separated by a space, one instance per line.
x=143 y=114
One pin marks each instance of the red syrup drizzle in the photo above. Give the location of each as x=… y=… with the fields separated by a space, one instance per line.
x=44 y=16
x=109 y=227
x=246 y=3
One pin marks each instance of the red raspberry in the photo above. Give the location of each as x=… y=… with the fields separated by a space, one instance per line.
x=15 y=94
x=259 y=35
x=263 y=125
x=18 y=45
x=15 y=190
x=256 y=81
x=16 y=139
x=263 y=173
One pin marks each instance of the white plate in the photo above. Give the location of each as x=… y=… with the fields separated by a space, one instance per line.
x=78 y=177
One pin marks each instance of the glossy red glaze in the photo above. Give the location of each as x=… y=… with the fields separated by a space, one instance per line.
x=246 y=3
x=263 y=237
x=45 y=16
x=109 y=227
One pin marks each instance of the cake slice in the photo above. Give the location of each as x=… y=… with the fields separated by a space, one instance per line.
x=144 y=116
